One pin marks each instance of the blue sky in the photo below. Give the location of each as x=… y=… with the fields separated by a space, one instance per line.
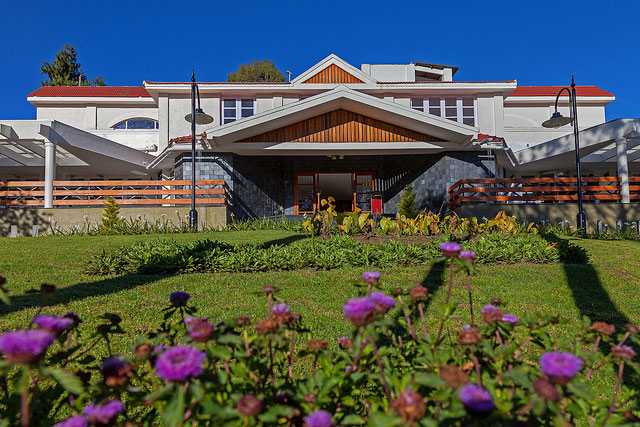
x=535 y=42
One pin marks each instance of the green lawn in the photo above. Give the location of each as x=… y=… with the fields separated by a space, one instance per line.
x=607 y=289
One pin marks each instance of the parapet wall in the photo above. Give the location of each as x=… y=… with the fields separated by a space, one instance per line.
x=66 y=218
x=608 y=213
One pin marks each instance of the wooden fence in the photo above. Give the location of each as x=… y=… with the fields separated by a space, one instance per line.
x=87 y=193
x=539 y=190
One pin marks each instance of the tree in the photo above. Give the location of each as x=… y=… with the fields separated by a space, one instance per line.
x=407 y=205
x=258 y=71
x=65 y=70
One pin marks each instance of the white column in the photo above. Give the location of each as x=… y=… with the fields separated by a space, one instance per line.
x=623 y=168
x=49 y=172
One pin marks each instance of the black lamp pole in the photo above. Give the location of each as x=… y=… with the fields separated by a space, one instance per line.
x=557 y=120
x=193 y=214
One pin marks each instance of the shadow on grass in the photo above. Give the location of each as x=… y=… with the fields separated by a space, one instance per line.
x=80 y=291
x=434 y=278
x=285 y=240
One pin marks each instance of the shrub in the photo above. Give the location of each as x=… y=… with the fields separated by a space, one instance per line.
x=164 y=256
x=407 y=205
x=111 y=214
x=390 y=370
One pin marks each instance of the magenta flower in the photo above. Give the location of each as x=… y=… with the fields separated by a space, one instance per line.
x=450 y=249
x=281 y=309
x=476 y=400
x=25 y=346
x=190 y=320
x=360 y=311
x=179 y=298
x=382 y=302
x=468 y=255
x=103 y=414
x=371 y=276
x=52 y=324
x=509 y=318
x=200 y=331
x=319 y=418
x=73 y=421
x=489 y=308
x=560 y=367
x=179 y=363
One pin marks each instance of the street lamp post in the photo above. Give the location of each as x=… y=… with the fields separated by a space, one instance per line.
x=556 y=121
x=197 y=116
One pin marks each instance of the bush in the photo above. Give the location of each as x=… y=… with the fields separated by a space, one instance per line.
x=389 y=370
x=407 y=206
x=164 y=256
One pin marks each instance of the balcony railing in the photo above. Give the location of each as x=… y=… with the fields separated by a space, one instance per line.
x=90 y=193
x=539 y=190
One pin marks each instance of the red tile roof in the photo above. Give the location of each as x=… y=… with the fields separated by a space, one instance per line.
x=92 y=91
x=187 y=138
x=553 y=91
x=488 y=138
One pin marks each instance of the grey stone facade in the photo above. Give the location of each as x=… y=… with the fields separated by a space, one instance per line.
x=264 y=185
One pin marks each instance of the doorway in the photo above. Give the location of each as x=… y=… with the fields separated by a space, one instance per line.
x=349 y=189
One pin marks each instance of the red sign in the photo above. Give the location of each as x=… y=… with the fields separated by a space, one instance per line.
x=376 y=206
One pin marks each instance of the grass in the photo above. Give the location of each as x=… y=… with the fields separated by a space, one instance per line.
x=604 y=290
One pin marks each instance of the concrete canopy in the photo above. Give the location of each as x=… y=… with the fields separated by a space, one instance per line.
x=597 y=147
x=77 y=153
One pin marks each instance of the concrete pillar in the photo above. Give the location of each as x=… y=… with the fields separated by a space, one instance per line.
x=49 y=172
x=623 y=169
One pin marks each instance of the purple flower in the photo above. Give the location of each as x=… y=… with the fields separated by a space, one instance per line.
x=476 y=400
x=190 y=320
x=382 y=302
x=360 y=311
x=25 y=346
x=200 y=331
x=179 y=363
x=371 y=276
x=73 y=421
x=103 y=414
x=489 y=308
x=179 y=298
x=450 y=249
x=468 y=255
x=159 y=349
x=319 y=418
x=560 y=367
x=509 y=318
x=281 y=309
x=52 y=324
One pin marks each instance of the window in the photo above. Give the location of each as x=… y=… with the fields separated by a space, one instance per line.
x=137 y=124
x=236 y=109
x=461 y=110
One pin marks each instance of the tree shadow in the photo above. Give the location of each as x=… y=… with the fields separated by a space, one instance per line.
x=79 y=291
x=434 y=279
x=284 y=241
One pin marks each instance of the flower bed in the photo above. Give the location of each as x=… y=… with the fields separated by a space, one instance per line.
x=389 y=370
x=168 y=256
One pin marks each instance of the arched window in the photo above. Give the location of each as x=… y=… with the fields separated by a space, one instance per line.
x=137 y=124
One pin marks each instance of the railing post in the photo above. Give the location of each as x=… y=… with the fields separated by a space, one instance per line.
x=623 y=169
x=49 y=172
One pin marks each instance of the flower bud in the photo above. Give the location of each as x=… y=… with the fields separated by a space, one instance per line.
x=266 y=326
x=623 y=352
x=602 y=328
x=545 y=389
x=453 y=376
x=631 y=328
x=318 y=344
x=243 y=321
x=469 y=336
x=142 y=350
x=116 y=372
x=419 y=292
x=269 y=289
x=249 y=406
x=410 y=406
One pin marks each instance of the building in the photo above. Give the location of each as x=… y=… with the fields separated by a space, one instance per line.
x=334 y=130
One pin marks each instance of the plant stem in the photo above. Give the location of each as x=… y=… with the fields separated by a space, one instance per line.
x=424 y=324
x=380 y=368
x=470 y=298
x=476 y=364
x=24 y=401
x=406 y=315
x=450 y=281
x=293 y=340
x=615 y=394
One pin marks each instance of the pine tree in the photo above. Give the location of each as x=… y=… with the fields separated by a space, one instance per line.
x=65 y=70
x=407 y=205
x=110 y=215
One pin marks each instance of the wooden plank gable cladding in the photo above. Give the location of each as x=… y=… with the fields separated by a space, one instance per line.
x=342 y=126
x=333 y=74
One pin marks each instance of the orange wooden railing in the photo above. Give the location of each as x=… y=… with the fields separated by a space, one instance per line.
x=85 y=193
x=539 y=190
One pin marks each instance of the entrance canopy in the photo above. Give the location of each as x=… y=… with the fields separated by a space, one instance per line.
x=341 y=121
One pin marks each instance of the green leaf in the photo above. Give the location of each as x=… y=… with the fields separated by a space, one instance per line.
x=352 y=419
x=4 y=297
x=429 y=380
x=381 y=419
x=174 y=412
x=66 y=379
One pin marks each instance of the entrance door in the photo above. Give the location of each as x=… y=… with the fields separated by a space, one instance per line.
x=349 y=189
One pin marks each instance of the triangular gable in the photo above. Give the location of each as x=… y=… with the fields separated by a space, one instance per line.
x=333 y=74
x=342 y=126
x=333 y=70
